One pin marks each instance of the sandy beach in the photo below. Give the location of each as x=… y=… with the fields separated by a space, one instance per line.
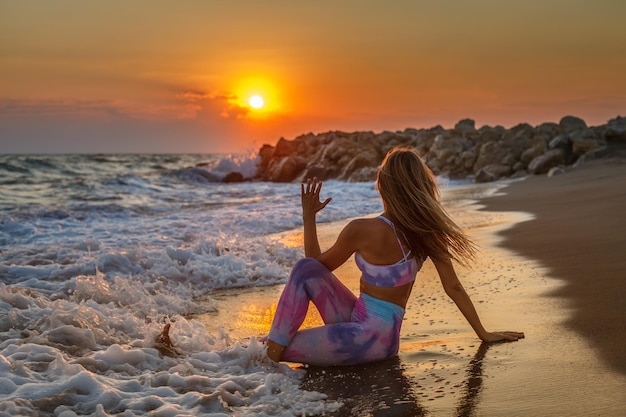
x=579 y=234
x=550 y=265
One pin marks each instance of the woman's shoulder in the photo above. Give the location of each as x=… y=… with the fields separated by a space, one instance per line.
x=365 y=226
x=364 y=222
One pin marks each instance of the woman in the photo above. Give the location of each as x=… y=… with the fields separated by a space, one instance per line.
x=389 y=250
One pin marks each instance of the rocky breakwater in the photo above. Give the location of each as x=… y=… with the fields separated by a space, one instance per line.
x=483 y=154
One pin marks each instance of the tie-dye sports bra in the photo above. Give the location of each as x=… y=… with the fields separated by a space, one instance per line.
x=395 y=275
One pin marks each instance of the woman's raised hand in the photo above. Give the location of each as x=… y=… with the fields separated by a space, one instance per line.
x=311 y=203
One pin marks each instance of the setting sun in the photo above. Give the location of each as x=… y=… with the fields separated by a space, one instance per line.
x=256 y=102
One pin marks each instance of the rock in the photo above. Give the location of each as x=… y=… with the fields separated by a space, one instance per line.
x=585 y=133
x=399 y=139
x=543 y=163
x=364 y=174
x=448 y=157
x=572 y=123
x=563 y=142
x=490 y=134
x=519 y=132
x=550 y=129
x=597 y=153
x=365 y=159
x=337 y=150
x=286 y=169
x=266 y=152
x=483 y=176
x=519 y=167
x=560 y=142
x=322 y=173
x=493 y=172
x=535 y=151
x=582 y=145
x=508 y=160
x=446 y=148
x=488 y=153
x=465 y=126
x=421 y=140
x=233 y=177
x=616 y=129
x=284 y=147
x=468 y=158
x=555 y=171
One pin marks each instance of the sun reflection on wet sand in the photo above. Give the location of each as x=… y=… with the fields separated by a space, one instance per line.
x=246 y=313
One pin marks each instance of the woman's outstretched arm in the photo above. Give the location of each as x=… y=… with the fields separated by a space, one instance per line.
x=456 y=292
x=347 y=241
x=311 y=205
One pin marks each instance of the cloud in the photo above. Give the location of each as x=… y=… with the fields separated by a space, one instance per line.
x=224 y=104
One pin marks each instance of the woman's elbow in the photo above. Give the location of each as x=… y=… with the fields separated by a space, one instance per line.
x=454 y=289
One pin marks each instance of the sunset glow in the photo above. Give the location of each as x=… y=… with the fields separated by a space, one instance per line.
x=163 y=79
x=256 y=102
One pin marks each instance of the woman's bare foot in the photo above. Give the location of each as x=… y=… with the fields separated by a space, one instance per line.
x=274 y=350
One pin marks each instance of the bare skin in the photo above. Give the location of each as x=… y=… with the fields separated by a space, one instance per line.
x=377 y=243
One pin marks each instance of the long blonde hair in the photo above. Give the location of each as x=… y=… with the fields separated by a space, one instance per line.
x=411 y=196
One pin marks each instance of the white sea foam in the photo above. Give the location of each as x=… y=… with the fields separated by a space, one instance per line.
x=93 y=354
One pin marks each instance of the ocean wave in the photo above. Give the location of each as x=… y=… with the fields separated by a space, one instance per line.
x=217 y=170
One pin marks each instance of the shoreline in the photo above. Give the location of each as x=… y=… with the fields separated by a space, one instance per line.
x=578 y=232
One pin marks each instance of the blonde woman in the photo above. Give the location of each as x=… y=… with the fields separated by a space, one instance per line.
x=389 y=250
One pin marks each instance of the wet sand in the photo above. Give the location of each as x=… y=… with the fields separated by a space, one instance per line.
x=579 y=234
x=443 y=369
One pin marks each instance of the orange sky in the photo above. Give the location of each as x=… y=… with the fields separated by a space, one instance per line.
x=157 y=76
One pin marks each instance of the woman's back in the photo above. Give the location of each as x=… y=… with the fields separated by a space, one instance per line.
x=387 y=265
x=379 y=244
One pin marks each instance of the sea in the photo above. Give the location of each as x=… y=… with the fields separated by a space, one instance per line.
x=99 y=252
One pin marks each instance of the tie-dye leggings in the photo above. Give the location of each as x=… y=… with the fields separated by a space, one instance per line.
x=357 y=330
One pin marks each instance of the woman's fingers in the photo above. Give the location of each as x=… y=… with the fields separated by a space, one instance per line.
x=512 y=335
x=504 y=336
x=312 y=186
x=325 y=203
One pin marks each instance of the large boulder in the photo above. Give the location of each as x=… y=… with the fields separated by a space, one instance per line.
x=549 y=128
x=543 y=163
x=363 y=174
x=338 y=151
x=564 y=142
x=265 y=156
x=284 y=147
x=616 y=129
x=420 y=140
x=583 y=141
x=448 y=156
x=490 y=134
x=465 y=126
x=490 y=153
x=320 y=172
x=536 y=149
x=572 y=123
x=561 y=142
x=366 y=158
x=233 y=177
x=493 y=172
x=286 y=169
